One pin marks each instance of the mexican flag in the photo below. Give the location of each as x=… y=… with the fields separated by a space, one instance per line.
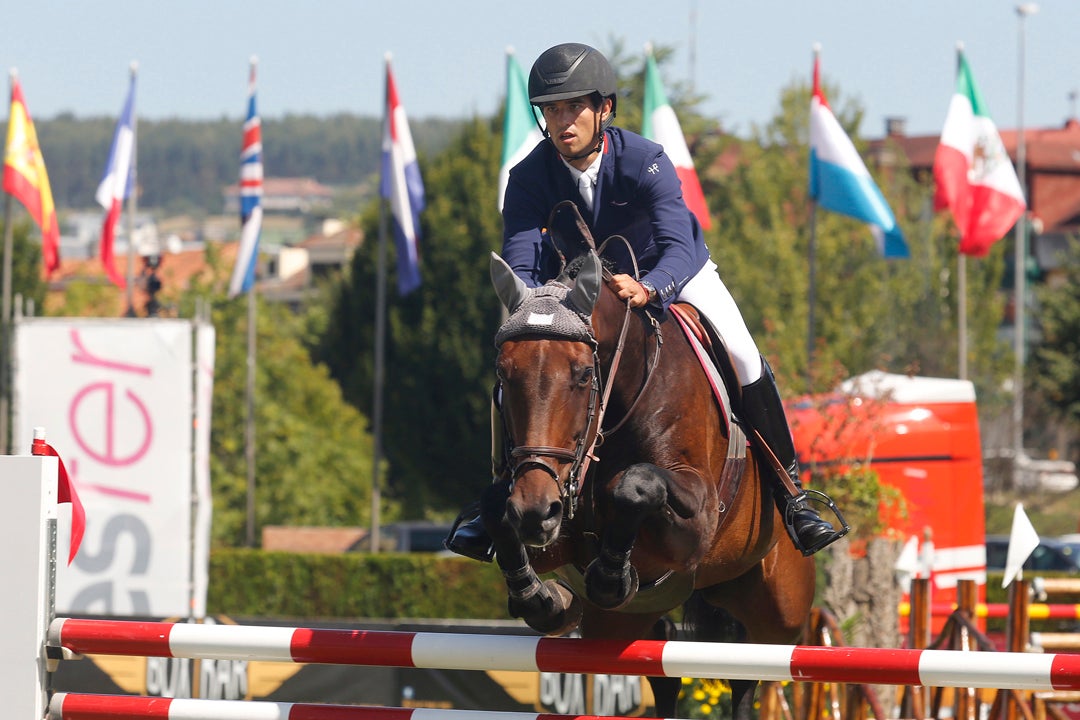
x=520 y=131
x=662 y=126
x=974 y=176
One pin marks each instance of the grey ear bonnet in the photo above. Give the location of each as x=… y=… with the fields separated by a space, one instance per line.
x=553 y=310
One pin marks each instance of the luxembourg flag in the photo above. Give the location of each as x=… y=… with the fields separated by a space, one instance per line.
x=521 y=132
x=661 y=125
x=118 y=182
x=251 y=190
x=839 y=180
x=974 y=175
x=402 y=187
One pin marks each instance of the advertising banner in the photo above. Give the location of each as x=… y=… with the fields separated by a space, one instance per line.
x=115 y=398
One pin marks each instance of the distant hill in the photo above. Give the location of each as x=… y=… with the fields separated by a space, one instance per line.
x=183 y=165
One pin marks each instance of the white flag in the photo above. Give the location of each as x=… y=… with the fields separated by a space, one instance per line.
x=1022 y=542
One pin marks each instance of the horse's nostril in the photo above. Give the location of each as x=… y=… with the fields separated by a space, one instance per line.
x=554 y=511
x=513 y=513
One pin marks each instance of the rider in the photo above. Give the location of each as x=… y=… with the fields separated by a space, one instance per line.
x=624 y=184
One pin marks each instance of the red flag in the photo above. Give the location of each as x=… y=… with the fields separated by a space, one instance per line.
x=25 y=178
x=65 y=493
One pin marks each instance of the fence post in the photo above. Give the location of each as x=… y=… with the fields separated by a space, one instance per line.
x=27 y=534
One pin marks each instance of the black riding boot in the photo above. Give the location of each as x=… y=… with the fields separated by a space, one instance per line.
x=764 y=410
x=467 y=535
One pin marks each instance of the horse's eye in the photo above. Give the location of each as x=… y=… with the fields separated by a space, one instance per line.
x=585 y=376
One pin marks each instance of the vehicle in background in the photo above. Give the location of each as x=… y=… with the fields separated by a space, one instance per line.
x=1051 y=555
x=411 y=536
x=921 y=436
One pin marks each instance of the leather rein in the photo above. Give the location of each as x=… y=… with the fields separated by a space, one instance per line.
x=584 y=453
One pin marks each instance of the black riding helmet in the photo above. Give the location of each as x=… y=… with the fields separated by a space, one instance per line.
x=572 y=70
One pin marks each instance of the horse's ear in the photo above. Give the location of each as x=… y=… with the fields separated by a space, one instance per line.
x=511 y=289
x=586 y=289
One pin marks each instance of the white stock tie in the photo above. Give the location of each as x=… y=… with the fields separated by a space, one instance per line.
x=585 y=187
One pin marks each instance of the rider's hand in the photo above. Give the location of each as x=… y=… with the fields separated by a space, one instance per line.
x=630 y=290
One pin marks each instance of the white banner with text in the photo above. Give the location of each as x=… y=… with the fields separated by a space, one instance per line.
x=117 y=401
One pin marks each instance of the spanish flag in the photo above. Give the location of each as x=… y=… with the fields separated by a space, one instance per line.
x=25 y=177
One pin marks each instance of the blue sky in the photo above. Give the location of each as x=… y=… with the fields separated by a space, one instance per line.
x=322 y=57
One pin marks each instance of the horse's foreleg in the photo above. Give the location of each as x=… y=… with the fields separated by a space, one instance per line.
x=548 y=607
x=610 y=580
x=665 y=689
x=742 y=698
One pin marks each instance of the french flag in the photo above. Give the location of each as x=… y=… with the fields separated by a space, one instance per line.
x=839 y=180
x=402 y=187
x=118 y=182
x=251 y=190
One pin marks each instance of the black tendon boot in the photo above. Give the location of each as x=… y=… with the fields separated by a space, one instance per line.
x=467 y=535
x=764 y=411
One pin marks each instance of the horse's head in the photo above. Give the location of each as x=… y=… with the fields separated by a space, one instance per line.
x=550 y=392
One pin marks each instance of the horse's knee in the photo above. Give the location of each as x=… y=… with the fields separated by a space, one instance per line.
x=641 y=488
x=493 y=502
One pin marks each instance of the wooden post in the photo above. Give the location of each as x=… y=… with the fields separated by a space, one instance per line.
x=966 y=599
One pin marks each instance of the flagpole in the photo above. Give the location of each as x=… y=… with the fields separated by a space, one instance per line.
x=132 y=202
x=249 y=421
x=1020 y=269
x=244 y=275
x=380 y=349
x=5 y=320
x=961 y=280
x=811 y=262
x=811 y=298
x=961 y=306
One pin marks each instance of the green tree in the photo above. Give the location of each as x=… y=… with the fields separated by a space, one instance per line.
x=313 y=456
x=1055 y=360
x=439 y=351
x=26 y=261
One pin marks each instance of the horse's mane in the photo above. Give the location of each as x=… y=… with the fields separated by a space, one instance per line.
x=573 y=267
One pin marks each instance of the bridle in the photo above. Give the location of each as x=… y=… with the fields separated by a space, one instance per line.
x=584 y=452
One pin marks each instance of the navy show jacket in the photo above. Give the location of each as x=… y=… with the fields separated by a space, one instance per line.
x=638 y=195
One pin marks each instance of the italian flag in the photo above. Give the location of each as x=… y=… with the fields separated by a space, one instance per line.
x=520 y=131
x=662 y=126
x=975 y=178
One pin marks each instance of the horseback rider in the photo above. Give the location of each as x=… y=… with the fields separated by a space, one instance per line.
x=624 y=184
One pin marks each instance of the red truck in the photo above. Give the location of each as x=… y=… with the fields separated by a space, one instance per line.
x=921 y=436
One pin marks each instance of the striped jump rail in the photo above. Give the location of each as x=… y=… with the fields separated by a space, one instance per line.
x=1036 y=611
x=75 y=706
x=670 y=658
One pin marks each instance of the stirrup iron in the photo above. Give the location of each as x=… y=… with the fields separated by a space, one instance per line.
x=792 y=506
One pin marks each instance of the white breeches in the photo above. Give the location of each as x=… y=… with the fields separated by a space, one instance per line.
x=707 y=292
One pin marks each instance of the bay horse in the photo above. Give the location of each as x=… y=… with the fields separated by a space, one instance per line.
x=628 y=479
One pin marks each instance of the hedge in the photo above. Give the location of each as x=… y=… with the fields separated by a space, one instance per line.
x=254 y=583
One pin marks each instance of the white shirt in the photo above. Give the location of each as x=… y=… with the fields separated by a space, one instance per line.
x=586 y=179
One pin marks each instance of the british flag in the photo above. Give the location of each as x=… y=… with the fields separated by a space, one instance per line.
x=251 y=190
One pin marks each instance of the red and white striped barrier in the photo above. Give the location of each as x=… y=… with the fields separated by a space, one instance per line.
x=74 y=706
x=672 y=658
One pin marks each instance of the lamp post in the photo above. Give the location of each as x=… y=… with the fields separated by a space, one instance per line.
x=1020 y=270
